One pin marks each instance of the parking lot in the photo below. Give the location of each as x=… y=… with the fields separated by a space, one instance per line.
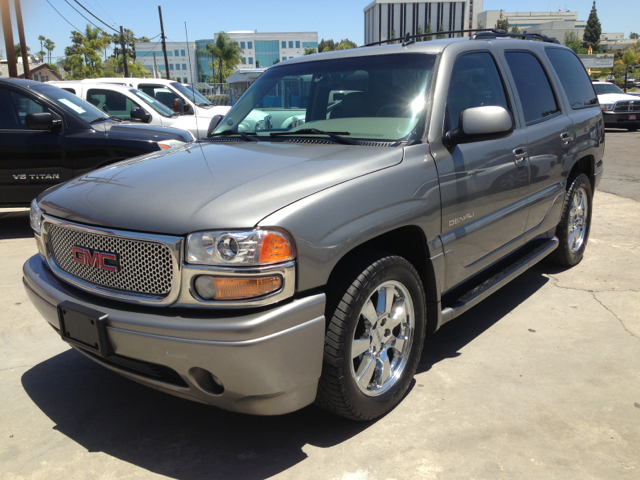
x=542 y=380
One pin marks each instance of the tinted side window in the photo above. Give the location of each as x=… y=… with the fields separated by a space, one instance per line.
x=111 y=102
x=475 y=82
x=162 y=94
x=533 y=86
x=574 y=78
x=14 y=108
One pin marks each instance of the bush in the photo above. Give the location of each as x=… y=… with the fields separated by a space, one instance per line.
x=619 y=82
x=218 y=99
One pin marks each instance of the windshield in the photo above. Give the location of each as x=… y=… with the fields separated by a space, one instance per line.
x=72 y=103
x=193 y=95
x=602 y=88
x=380 y=97
x=153 y=103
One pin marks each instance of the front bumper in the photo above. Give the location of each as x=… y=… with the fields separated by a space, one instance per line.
x=621 y=120
x=268 y=362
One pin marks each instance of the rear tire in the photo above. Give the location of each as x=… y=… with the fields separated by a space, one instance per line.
x=575 y=223
x=374 y=339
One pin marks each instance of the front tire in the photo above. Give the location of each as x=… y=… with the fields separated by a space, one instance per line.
x=374 y=338
x=575 y=224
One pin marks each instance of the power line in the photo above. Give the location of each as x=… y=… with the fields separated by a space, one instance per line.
x=105 y=12
x=77 y=29
x=81 y=14
x=85 y=8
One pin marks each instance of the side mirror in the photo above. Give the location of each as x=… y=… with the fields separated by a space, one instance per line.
x=213 y=124
x=480 y=123
x=178 y=106
x=42 y=121
x=139 y=114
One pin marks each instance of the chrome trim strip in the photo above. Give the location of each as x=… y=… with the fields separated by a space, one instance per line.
x=189 y=297
x=175 y=245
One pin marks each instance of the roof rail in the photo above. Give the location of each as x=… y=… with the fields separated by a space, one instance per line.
x=479 y=34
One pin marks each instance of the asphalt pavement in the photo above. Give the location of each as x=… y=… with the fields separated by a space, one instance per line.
x=540 y=381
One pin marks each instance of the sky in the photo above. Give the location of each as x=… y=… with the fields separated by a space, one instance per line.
x=335 y=19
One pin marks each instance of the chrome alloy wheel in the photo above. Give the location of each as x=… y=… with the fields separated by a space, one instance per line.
x=578 y=219
x=382 y=338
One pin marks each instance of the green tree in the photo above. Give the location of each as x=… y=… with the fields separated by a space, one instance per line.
x=227 y=53
x=18 y=50
x=628 y=59
x=515 y=29
x=419 y=33
x=42 y=38
x=326 y=49
x=310 y=51
x=441 y=35
x=634 y=36
x=326 y=44
x=502 y=23
x=393 y=35
x=428 y=38
x=592 y=31
x=572 y=41
x=49 y=45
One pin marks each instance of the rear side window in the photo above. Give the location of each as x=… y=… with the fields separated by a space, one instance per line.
x=114 y=103
x=574 y=78
x=534 y=89
x=475 y=82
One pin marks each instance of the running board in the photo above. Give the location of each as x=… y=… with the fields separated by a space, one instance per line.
x=499 y=280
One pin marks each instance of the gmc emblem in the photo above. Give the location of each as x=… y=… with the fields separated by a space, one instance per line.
x=94 y=258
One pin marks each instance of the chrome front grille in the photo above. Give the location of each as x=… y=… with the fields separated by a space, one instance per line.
x=632 y=106
x=145 y=267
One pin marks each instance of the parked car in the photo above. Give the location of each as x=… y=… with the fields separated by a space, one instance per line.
x=271 y=267
x=610 y=78
x=130 y=104
x=620 y=110
x=48 y=136
x=172 y=94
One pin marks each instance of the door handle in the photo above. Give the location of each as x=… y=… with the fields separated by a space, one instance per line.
x=566 y=138
x=520 y=155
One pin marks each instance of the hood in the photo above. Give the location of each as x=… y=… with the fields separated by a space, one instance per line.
x=616 y=97
x=209 y=185
x=142 y=131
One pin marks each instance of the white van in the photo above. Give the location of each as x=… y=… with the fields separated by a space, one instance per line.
x=167 y=92
x=130 y=104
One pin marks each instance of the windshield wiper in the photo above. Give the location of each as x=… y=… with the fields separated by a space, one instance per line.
x=244 y=136
x=337 y=136
x=99 y=119
x=115 y=118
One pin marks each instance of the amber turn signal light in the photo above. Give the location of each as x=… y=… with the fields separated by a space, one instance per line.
x=228 y=288
x=275 y=248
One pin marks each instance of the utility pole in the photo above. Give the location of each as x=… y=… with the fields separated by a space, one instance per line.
x=124 y=52
x=8 y=39
x=164 y=44
x=23 y=43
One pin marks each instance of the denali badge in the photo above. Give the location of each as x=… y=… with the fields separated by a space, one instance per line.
x=456 y=221
x=94 y=258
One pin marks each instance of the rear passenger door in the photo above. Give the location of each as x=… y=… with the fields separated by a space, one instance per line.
x=114 y=103
x=548 y=130
x=161 y=93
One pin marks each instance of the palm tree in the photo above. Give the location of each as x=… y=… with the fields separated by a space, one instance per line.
x=49 y=45
x=226 y=52
x=18 y=50
x=41 y=52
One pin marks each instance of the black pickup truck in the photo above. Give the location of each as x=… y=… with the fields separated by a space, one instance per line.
x=48 y=136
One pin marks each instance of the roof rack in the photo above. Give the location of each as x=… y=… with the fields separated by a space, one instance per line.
x=478 y=34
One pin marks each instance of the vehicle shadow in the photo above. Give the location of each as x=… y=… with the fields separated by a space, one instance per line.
x=447 y=342
x=14 y=224
x=178 y=438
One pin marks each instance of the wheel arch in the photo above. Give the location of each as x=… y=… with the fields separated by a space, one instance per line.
x=584 y=165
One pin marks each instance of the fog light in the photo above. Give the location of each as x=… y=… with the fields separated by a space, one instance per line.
x=226 y=288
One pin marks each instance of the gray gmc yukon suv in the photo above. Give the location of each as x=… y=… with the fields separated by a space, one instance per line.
x=350 y=203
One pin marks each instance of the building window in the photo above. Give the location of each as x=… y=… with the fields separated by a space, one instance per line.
x=171 y=66
x=184 y=66
x=291 y=44
x=242 y=45
x=290 y=58
x=176 y=53
x=250 y=45
x=250 y=60
x=297 y=43
x=284 y=44
x=182 y=53
x=284 y=58
x=244 y=61
x=177 y=66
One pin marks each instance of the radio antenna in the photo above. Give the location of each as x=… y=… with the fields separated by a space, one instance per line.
x=193 y=88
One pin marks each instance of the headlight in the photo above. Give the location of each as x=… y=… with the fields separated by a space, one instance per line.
x=35 y=217
x=607 y=106
x=251 y=247
x=169 y=144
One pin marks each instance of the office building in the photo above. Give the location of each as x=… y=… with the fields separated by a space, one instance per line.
x=385 y=19
x=181 y=56
x=260 y=50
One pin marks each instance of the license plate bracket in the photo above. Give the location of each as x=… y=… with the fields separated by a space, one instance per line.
x=84 y=327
